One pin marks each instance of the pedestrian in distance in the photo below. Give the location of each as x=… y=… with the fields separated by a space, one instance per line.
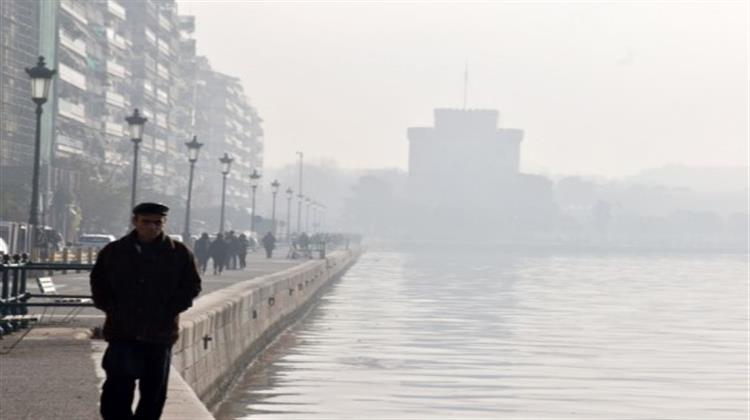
x=142 y=282
x=243 y=244
x=202 y=253
x=304 y=245
x=269 y=243
x=303 y=241
x=218 y=251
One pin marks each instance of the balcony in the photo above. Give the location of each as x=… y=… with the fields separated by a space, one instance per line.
x=116 y=69
x=68 y=145
x=164 y=23
x=116 y=9
x=78 y=46
x=161 y=121
x=114 y=129
x=162 y=71
x=164 y=47
x=150 y=37
x=116 y=40
x=72 y=8
x=162 y=96
x=76 y=112
x=115 y=99
x=71 y=76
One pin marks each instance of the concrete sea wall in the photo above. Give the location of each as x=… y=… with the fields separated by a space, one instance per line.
x=225 y=330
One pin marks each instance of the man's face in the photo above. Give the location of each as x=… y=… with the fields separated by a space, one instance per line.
x=149 y=226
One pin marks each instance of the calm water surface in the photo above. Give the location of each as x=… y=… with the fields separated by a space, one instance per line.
x=442 y=336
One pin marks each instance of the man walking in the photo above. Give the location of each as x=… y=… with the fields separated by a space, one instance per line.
x=269 y=243
x=218 y=251
x=242 y=250
x=231 y=240
x=202 y=252
x=142 y=282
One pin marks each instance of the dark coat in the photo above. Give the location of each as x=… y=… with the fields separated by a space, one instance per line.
x=143 y=295
x=269 y=241
x=202 y=248
x=219 y=249
x=243 y=244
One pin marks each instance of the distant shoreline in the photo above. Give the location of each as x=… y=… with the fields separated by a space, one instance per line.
x=554 y=248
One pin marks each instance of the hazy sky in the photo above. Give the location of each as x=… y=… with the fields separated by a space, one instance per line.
x=598 y=87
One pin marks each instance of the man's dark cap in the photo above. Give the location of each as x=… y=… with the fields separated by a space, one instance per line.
x=151 y=208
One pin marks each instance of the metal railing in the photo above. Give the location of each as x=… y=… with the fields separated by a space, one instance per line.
x=15 y=296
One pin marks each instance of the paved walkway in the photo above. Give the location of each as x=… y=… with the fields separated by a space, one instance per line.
x=54 y=371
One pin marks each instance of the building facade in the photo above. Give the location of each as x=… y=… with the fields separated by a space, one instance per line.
x=112 y=56
x=226 y=123
x=19 y=43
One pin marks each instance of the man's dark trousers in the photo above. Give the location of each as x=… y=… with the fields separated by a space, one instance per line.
x=126 y=361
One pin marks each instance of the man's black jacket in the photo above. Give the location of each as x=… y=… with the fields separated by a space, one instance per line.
x=143 y=290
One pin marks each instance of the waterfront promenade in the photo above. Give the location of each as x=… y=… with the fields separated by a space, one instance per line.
x=55 y=372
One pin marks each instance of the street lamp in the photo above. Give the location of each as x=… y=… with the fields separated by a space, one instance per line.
x=299 y=194
x=135 y=125
x=254 y=179
x=275 y=185
x=316 y=216
x=289 y=195
x=41 y=79
x=322 y=216
x=307 y=214
x=226 y=166
x=193 y=148
x=313 y=205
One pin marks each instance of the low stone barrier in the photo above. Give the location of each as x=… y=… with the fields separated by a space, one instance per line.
x=225 y=330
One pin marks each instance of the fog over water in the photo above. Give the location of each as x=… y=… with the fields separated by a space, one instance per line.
x=513 y=335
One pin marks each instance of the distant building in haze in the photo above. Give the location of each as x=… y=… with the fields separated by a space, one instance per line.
x=465 y=174
x=464 y=152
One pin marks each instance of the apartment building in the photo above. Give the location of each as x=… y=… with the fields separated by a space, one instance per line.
x=19 y=28
x=112 y=56
x=227 y=123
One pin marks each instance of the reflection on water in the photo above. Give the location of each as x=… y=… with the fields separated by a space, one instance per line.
x=481 y=336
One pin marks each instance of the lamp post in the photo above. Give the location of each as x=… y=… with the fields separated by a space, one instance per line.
x=135 y=125
x=41 y=79
x=313 y=205
x=193 y=148
x=275 y=185
x=226 y=166
x=289 y=195
x=299 y=194
x=318 y=212
x=254 y=178
x=307 y=214
x=322 y=216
